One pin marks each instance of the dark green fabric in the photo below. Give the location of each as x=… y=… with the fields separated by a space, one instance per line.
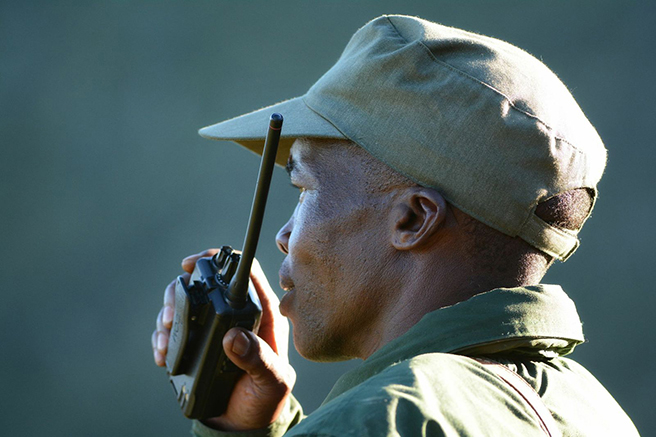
x=423 y=383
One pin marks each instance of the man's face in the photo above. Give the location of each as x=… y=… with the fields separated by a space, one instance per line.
x=337 y=246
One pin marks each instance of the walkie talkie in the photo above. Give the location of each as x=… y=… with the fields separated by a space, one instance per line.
x=219 y=297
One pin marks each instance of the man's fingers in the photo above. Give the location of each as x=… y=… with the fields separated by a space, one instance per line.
x=160 y=359
x=189 y=262
x=160 y=338
x=167 y=317
x=168 y=310
x=169 y=293
x=268 y=298
x=163 y=342
x=274 y=328
x=159 y=342
x=271 y=374
x=259 y=396
x=159 y=323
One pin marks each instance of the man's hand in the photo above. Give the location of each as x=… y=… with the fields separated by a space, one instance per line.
x=259 y=396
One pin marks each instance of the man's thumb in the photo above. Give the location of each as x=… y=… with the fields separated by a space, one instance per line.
x=253 y=355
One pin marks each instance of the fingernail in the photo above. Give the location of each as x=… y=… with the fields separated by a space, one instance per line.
x=241 y=344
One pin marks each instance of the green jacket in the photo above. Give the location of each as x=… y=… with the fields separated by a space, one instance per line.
x=425 y=383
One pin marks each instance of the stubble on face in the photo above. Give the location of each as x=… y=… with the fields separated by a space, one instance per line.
x=338 y=251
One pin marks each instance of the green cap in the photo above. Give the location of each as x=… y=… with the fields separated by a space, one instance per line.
x=481 y=121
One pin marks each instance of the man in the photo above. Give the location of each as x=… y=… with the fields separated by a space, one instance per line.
x=440 y=173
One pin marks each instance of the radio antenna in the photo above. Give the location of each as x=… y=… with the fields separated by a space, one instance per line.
x=238 y=289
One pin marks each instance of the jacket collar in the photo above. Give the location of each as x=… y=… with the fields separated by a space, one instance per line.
x=536 y=321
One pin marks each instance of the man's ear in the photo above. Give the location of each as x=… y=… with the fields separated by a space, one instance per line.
x=419 y=214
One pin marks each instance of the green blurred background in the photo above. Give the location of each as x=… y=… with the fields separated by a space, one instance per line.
x=106 y=185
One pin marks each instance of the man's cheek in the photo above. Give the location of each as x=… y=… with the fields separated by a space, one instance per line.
x=304 y=224
x=300 y=242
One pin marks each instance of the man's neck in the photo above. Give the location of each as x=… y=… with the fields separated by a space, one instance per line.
x=428 y=284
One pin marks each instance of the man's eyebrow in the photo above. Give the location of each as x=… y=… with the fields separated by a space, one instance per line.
x=290 y=165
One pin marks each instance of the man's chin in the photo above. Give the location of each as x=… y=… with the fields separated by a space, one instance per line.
x=317 y=349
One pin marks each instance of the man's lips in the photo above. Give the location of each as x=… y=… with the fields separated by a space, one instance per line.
x=287 y=285
x=285 y=301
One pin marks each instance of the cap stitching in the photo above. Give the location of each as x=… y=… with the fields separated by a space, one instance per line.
x=512 y=104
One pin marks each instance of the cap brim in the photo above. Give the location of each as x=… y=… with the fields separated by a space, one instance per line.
x=249 y=130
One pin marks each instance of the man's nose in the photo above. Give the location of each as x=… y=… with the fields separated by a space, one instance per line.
x=282 y=237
